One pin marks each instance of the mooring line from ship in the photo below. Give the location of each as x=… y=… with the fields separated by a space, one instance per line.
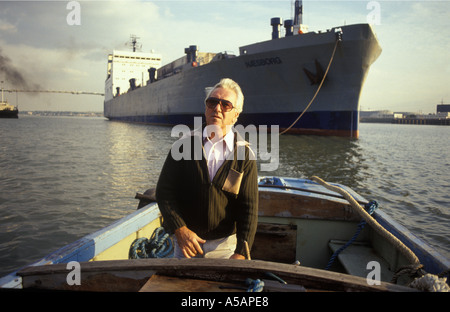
x=318 y=89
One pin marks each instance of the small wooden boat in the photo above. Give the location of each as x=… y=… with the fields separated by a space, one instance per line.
x=310 y=237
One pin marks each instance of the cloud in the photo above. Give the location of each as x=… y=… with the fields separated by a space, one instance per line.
x=6 y=27
x=412 y=70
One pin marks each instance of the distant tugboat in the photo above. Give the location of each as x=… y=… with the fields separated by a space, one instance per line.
x=7 y=110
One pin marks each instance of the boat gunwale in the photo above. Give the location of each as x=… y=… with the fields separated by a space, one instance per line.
x=87 y=247
x=225 y=270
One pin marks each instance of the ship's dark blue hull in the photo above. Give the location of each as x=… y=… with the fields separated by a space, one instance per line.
x=338 y=123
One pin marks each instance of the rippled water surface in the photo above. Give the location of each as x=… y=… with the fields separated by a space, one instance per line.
x=64 y=177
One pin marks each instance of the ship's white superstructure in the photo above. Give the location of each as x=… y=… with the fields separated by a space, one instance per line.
x=126 y=65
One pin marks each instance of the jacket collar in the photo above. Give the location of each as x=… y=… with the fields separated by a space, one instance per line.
x=199 y=132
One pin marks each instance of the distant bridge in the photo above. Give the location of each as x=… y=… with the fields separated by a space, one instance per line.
x=57 y=91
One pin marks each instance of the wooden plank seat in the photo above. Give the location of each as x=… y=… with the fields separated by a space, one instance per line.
x=356 y=257
x=162 y=283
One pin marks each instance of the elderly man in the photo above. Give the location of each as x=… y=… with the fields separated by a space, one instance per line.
x=210 y=201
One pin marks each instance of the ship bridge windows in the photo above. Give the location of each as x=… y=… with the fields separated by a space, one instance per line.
x=138 y=58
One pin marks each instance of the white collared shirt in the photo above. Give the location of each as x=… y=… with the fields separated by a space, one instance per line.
x=217 y=151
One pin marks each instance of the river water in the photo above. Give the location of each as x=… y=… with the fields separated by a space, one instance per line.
x=64 y=177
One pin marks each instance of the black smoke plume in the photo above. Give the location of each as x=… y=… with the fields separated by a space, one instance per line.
x=12 y=76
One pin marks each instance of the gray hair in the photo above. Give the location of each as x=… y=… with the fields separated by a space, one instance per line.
x=227 y=83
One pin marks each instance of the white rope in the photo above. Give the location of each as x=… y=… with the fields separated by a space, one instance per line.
x=317 y=91
x=430 y=283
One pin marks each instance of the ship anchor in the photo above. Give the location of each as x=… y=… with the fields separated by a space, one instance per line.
x=318 y=76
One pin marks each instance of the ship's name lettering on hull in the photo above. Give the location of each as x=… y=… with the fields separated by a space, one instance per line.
x=263 y=62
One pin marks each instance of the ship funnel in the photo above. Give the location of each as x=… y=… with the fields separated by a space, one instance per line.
x=132 y=83
x=289 y=26
x=152 y=74
x=191 y=53
x=276 y=25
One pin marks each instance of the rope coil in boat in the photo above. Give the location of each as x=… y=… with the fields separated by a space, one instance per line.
x=254 y=285
x=158 y=246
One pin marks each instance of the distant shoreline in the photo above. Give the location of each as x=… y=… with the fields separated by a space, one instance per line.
x=408 y=121
x=62 y=113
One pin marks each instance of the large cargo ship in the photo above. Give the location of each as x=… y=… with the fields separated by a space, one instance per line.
x=317 y=76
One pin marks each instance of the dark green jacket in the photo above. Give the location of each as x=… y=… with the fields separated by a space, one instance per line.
x=214 y=209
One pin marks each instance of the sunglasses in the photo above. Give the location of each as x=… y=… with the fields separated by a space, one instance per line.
x=212 y=102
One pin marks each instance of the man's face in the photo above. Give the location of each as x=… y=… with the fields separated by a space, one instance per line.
x=217 y=116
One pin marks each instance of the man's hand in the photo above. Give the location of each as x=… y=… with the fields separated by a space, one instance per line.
x=237 y=256
x=189 y=242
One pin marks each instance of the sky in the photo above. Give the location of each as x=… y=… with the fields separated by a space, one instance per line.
x=51 y=45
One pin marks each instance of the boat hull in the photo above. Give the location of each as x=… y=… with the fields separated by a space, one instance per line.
x=298 y=219
x=9 y=113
